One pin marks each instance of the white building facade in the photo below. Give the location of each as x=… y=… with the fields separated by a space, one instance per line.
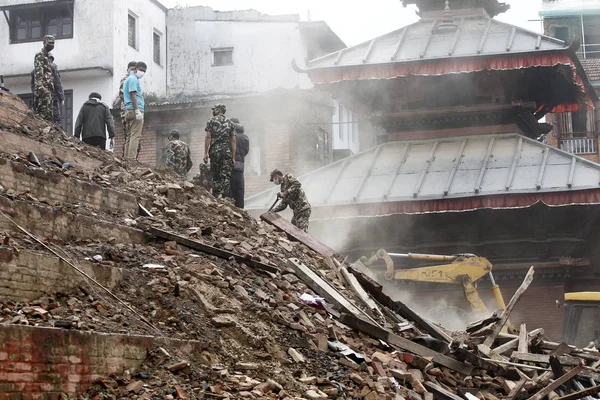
x=240 y=51
x=95 y=39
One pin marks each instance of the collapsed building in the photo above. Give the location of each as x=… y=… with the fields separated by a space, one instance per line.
x=461 y=96
x=119 y=281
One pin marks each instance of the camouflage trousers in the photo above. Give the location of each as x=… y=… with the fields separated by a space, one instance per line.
x=56 y=111
x=220 y=169
x=43 y=105
x=300 y=219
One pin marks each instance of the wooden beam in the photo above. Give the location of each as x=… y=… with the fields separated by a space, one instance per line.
x=513 y=343
x=440 y=392
x=322 y=288
x=489 y=341
x=359 y=290
x=298 y=234
x=523 y=340
x=545 y=358
x=404 y=344
x=582 y=393
x=554 y=385
x=516 y=390
x=224 y=254
x=376 y=291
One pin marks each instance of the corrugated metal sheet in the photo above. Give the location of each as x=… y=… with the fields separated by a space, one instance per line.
x=427 y=40
x=434 y=169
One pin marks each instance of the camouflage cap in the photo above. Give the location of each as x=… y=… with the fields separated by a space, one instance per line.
x=275 y=172
x=219 y=106
x=172 y=131
x=49 y=38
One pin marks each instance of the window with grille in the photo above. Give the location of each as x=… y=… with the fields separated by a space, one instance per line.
x=156 y=46
x=222 y=56
x=131 y=31
x=32 y=24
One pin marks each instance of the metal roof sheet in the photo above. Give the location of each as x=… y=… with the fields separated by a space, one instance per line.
x=434 y=169
x=429 y=39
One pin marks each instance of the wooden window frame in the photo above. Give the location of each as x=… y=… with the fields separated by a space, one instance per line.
x=62 y=12
x=131 y=16
x=156 y=51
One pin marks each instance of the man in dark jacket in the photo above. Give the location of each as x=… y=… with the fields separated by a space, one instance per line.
x=237 y=175
x=92 y=122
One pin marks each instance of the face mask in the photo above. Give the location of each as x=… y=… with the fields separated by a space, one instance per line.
x=140 y=74
x=276 y=181
x=131 y=71
x=49 y=47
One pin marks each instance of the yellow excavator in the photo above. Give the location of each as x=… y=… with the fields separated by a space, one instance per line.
x=582 y=309
x=459 y=269
x=582 y=318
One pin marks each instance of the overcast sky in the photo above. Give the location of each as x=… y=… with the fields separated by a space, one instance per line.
x=358 y=21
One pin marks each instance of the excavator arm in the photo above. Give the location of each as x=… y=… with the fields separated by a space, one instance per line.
x=461 y=269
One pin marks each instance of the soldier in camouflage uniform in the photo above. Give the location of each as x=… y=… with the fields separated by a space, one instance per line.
x=59 y=94
x=220 y=146
x=178 y=154
x=130 y=70
x=43 y=81
x=292 y=195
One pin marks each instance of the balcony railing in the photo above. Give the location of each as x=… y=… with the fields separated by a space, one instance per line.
x=585 y=145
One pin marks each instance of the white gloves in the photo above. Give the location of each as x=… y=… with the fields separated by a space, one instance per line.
x=138 y=115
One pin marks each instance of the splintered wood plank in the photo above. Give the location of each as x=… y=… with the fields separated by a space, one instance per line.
x=224 y=254
x=582 y=393
x=489 y=340
x=440 y=392
x=558 y=382
x=376 y=291
x=286 y=226
x=321 y=287
x=404 y=344
x=523 y=340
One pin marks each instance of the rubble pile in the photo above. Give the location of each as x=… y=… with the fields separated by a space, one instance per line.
x=275 y=318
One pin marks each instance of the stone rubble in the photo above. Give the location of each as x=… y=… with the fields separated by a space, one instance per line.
x=260 y=340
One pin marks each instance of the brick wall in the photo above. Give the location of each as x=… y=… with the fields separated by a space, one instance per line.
x=55 y=187
x=59 y=224
x=42 y=363
x=27 y=275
